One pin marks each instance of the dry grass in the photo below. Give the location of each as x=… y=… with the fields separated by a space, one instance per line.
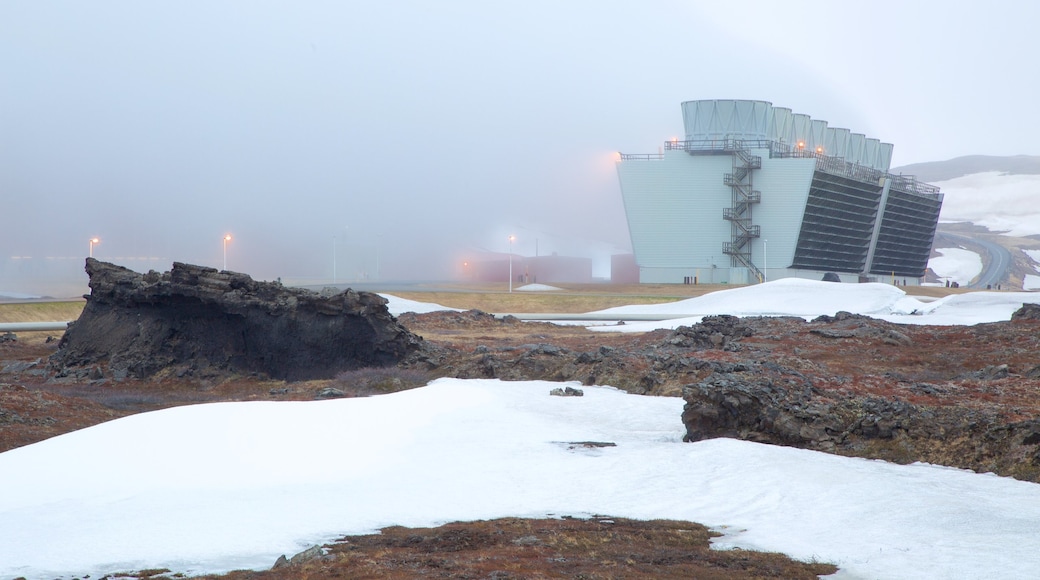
x=40 y=311
x=570 y=299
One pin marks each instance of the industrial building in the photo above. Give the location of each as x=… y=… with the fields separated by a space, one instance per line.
x=756 y=192
x=551 y=269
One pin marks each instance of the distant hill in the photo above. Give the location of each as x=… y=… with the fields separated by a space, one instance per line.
x=933 y=171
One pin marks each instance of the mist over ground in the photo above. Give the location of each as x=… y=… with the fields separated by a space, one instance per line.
x=394 y=140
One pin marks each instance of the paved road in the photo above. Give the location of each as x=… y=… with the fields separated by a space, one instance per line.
x=996 y=272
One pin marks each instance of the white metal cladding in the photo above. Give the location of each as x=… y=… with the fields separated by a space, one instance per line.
x=717 y=119
x=854 y=152
x=884 y=156
x=837 y=142
x=784 y=184
x=800 y=124
x=817 y=135
x=870 y=152
x=722 y=119
x=674 y=208
x=675 y=205
x=697 y=118
x=780 y=123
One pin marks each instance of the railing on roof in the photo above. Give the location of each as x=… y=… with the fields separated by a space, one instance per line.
x=641 y=156
x=826 y=163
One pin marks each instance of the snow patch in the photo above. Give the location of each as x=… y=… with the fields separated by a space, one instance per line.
x=956 y=265
x=398 y=306
x=537 y=288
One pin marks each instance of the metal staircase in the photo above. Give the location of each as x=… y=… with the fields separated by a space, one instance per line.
x=739 y=213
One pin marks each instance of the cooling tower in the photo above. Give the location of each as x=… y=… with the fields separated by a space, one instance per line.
x=757 y=192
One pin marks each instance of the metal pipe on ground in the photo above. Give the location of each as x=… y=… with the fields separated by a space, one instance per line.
x=32 y=326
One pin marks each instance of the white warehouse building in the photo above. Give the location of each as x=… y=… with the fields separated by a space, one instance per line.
x=755 y=192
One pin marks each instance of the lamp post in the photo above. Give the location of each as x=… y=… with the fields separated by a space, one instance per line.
x=333 y=259
x=765 y=260
x=227 y=238
x=511 y=238
x=90 y=251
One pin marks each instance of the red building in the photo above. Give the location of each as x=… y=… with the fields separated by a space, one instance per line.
x=551 y=269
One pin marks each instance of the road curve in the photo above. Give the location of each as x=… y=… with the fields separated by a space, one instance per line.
x=996 y=272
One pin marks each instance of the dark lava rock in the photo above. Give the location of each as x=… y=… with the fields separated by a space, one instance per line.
x=1028 y=311
x=760 y=408
x=195 y=320
x=711 y=332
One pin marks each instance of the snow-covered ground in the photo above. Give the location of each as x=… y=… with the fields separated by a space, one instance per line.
x=214 y=487
x=397 y=305
x=811 y=298
x=956 y=265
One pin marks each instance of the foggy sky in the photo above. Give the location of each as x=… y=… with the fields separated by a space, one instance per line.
x=408 y=136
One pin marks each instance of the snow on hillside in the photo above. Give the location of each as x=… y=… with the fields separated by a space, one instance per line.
x=1032 y=281
x=999 y=202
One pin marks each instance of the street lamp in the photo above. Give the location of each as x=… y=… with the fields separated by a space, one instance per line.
x=511 y=238
x=765 y=260
x=93 y=241
x=227 y=238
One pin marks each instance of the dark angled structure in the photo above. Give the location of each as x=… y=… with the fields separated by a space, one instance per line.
x=755 y=192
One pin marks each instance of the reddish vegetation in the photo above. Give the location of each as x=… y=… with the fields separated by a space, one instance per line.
x=512 y=548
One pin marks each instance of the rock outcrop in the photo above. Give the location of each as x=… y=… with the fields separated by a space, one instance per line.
x=1028 y=311
x=198 y=321
x=778 y=406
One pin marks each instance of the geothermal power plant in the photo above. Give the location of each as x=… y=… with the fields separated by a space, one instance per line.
x=755 y=192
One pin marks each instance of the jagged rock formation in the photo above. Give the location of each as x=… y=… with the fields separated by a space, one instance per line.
x=1028 y=311
x=779 y=406
x=198 y=321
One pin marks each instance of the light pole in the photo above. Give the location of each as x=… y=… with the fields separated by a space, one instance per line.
x=333 y=259
x=511 y=238
x=90 y=251
x=227 y=238
x=765 y=260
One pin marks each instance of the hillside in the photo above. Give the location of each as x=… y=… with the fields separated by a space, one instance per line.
x=933 y=171
x=989 y=201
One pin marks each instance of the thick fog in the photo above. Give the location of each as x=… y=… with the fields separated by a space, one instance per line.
x=394 y=140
